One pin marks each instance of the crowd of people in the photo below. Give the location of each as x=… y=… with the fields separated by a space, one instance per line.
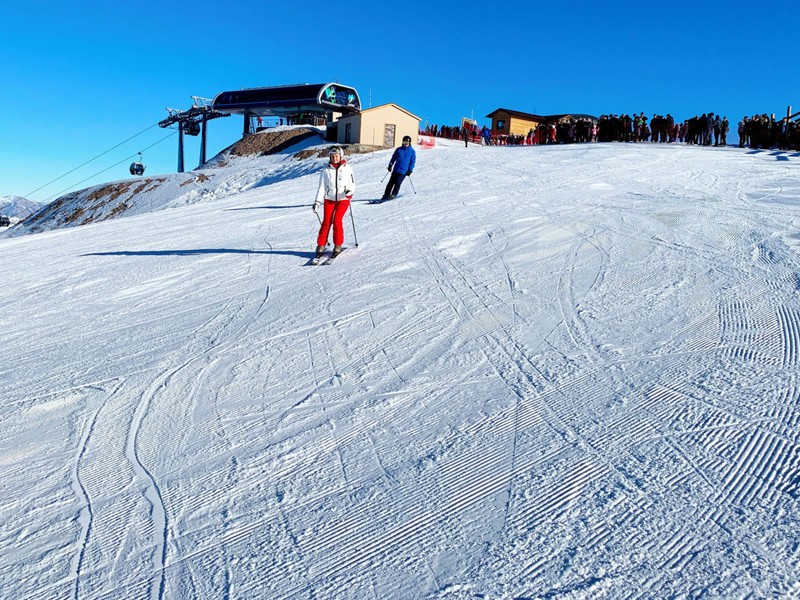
x=707 y=129
x=466 y=132
x=763 y=131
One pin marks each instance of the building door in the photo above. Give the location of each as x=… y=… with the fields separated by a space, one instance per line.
x=347 y=133
x=388 y=135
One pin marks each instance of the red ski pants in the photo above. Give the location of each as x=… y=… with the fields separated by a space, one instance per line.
x=334 y=214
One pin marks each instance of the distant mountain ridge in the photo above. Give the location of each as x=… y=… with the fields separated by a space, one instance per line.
x=17 y=207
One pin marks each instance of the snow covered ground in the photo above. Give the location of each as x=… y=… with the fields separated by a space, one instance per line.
x=553 y=372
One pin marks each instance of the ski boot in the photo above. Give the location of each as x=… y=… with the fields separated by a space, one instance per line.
x=318 y=255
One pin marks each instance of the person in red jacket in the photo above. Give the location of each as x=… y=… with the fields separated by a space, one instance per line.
x=336 y=186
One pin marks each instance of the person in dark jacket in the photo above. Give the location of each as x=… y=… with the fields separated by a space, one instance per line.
x=723 y=131
x=401 y=165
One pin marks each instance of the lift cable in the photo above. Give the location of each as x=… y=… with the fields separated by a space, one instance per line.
x=107 y=168
x=90 y=160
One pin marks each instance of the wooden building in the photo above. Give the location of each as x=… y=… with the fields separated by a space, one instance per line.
x=514 y=122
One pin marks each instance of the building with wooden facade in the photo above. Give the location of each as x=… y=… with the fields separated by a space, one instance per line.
x=514 y=122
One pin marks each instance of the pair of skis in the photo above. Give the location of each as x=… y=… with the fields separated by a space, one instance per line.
x=318 y=260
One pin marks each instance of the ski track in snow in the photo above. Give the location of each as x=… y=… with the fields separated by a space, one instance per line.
x=560 y=371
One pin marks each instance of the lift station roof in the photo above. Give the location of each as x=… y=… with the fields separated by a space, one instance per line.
x=289 y=99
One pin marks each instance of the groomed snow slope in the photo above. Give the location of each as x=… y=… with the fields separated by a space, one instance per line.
x=553 y=372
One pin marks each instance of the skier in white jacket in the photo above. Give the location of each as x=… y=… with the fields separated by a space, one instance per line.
x=336 y=186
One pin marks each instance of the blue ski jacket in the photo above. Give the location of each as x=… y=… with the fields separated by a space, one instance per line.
x=403 y=160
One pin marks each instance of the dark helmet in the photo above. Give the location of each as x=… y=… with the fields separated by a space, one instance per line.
x=407 y=138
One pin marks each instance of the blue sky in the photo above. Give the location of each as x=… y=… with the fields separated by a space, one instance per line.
x=82 y=77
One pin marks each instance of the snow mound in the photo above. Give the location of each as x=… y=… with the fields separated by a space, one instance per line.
x=268 y=142
x=255 y=161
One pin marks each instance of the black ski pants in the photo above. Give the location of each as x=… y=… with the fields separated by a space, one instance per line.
x=393 y=187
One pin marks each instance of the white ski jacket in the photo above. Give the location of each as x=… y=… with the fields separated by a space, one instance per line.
x=336 y=183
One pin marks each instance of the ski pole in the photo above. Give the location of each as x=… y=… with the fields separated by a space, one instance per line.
x=412 y=185
x=353 y=221
x=384 y=177
x=320 y=224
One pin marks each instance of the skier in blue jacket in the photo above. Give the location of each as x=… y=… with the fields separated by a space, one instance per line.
x=402 y=164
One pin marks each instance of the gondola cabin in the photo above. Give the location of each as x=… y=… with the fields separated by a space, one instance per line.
x=137 y=168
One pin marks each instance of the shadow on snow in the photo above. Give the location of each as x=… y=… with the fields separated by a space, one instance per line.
x=272 y=207
x=200 y=252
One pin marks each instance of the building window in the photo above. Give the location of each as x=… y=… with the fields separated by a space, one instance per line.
x=501 y=125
